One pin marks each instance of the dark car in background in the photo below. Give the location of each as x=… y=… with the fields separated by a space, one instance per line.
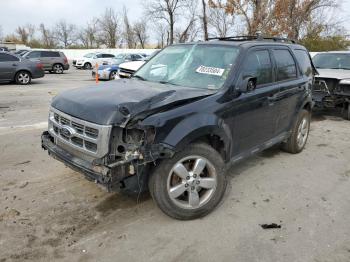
x=18 y=69
x=332 y=84
x=53 y=61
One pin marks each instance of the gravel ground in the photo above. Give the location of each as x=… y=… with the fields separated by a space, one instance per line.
x=50 y=213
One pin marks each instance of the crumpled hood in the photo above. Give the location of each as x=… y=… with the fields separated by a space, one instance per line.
x=114 y=102
x=333 y=73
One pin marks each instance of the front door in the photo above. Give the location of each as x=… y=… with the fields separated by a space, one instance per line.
x=254 y=112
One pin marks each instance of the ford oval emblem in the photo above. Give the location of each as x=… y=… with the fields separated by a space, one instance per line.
x=68 y=131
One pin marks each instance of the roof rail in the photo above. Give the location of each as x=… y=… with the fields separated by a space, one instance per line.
x=258 y=37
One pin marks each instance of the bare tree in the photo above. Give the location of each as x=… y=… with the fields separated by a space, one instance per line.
x=47 y=37
x=65 y=33
x=88 y=34
x=221 y=21
x=162 y=34
x=25 y=33
x=190 y=31
x=140 y=31
x=108 y=25
x=204 y=19
x=128 y=32
x=165 y=10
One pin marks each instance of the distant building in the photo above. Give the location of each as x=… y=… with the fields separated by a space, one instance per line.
x=13 y=46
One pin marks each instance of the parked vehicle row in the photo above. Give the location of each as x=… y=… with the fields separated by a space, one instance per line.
x=18 y=69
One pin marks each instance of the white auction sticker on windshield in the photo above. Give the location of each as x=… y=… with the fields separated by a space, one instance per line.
x=210 y=70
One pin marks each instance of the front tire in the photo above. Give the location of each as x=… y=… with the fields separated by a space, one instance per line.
x=190 y=184
x=87 y=66
x=23 y=78
x=112 y=75
x=296 y=142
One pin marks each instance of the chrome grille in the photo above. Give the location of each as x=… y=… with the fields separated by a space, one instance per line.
x=84 y=136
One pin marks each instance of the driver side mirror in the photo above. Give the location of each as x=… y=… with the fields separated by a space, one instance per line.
x=248 y=84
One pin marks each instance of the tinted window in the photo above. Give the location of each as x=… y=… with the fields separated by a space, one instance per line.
x=304 y=61
x=286 y=68
x=34 y=54
x=258 y=64
x=7 y=58
x=332 y=60
x=49 y=54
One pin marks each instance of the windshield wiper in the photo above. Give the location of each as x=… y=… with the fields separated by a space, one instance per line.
x=138 y=77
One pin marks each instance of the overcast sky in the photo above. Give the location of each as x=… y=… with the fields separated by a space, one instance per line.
x=20 y=12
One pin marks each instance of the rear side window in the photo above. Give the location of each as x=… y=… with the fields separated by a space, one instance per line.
x=7 y=58
x=286 y=68
x=34 y=54
x=108 y=55
x=258 y=64
x=49 y=54
x=304 y=61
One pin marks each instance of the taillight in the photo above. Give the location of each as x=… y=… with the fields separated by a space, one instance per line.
x=65 y=60
x=39 y=66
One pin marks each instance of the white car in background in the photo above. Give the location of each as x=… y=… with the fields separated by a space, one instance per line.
x=128 y=68
x=88 y=61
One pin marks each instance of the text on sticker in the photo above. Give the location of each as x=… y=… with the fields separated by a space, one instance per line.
x=210 y=70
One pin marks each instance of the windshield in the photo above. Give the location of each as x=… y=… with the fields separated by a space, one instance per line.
x=89 y=55
x=199 y=65
x=332 y=61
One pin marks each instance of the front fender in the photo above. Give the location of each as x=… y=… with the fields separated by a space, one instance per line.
x=197 y=126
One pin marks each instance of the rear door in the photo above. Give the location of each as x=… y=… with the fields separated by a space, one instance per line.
x=8 y=66
x=292 y=87
x=47 y=60
x=255 y=112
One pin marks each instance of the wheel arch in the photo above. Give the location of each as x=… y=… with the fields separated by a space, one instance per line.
x=22 y=70
x=201 y=128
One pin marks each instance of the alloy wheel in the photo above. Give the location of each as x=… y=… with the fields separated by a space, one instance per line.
x=303 y=132
x=58 y=69
x=23 y=78
x=192 y=182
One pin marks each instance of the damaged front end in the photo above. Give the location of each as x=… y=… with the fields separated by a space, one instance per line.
x=113 y=156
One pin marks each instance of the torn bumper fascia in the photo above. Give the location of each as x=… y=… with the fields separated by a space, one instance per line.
x=101 y=173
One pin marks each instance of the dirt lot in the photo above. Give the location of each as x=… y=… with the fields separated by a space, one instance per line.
x=50 y=213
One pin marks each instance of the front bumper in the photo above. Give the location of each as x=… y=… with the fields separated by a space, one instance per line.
x=66 y=66
x=97 y=173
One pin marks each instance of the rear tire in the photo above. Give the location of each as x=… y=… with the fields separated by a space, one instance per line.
x=346 y=111
x=23 y=78
x=300 y=132
x=190 y=184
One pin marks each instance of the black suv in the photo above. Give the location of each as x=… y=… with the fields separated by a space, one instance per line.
x=184 y=117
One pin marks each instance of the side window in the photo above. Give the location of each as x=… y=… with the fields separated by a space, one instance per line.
x=34 y=54
x=99 y=56
x=304 y=61
x=286 y=68
x=128 y=57
x=7 y=58
x=258 y=64
x=46 y=54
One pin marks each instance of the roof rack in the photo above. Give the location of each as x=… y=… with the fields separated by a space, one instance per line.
x=253 y=37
